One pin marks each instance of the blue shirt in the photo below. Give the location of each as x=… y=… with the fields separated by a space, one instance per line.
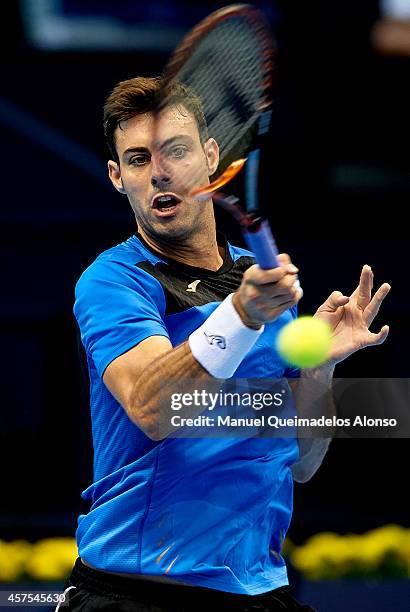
x=208 y=512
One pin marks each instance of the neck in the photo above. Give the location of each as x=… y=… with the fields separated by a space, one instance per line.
x=201 y=250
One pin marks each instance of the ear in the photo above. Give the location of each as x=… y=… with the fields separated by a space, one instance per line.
x=114 y=173
x=211 y=150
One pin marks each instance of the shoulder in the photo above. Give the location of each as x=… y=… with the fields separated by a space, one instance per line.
x=117 y=280
x=119 y=264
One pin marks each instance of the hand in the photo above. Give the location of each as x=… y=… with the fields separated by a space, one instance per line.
x=265 y=294
x=351 y=317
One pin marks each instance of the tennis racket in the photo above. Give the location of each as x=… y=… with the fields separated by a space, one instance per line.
x=227 y=60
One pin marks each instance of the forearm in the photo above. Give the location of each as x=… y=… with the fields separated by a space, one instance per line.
x=213 y=353
x=150 y=400
x=313 y=398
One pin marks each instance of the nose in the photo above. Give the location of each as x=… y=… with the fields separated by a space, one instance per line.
x=160 y=176
x=158 y=181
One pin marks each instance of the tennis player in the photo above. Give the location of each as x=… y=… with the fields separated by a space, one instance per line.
x=184 y=524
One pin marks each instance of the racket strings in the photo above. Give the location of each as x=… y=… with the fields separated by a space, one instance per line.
x=226 y=71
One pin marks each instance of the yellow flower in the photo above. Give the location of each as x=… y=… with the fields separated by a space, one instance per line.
x=52 y=559
x=385 y=550
x=13 y=556
x=376 y=544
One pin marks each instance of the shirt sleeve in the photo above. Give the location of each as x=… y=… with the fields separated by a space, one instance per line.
x=292 y=372
x=116 y=307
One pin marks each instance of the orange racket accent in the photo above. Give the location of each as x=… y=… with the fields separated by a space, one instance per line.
x=231 y=171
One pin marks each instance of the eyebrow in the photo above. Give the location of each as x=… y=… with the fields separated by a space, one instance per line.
x=166 y=143
x=134 y=150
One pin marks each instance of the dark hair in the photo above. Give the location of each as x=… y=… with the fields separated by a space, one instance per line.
x=144 y=95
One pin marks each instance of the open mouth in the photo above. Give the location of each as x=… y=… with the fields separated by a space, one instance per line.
x=165 y=204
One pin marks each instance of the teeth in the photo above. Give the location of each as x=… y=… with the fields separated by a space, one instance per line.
x=165 y=202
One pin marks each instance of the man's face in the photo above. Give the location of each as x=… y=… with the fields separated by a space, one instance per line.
x=161 y=161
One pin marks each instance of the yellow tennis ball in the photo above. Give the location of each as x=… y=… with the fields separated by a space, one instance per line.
x=305 y=342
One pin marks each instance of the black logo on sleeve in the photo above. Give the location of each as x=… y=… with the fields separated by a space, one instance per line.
x=215 y=339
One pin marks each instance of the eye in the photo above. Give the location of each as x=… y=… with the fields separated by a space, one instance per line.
x=140 y=160
x=178 y=152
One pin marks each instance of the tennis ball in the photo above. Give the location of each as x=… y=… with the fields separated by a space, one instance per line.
x=305 y=342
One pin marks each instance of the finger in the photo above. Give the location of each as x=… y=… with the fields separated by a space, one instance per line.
x=281 y=304
x=284 y=259
x=285 y=287
x=364 y=290
x=269 y=296
x=372 y=309
x=376 y=339
x=256 y=276
x=298 y=288
x=290 y=297
x=334 y=301
x=365 y=271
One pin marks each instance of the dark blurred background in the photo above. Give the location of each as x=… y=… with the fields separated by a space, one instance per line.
x=334 y=178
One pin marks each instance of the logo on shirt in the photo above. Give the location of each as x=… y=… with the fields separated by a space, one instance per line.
x=217 y=340
x=192 y=286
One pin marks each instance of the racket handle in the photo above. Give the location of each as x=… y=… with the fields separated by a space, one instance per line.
x=261 y=242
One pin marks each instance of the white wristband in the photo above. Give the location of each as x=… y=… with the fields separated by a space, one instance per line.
x=223 y=340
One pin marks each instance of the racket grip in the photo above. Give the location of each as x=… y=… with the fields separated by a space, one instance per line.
x=260 y=241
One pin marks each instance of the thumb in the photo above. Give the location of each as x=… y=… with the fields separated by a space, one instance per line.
x=335 y=300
